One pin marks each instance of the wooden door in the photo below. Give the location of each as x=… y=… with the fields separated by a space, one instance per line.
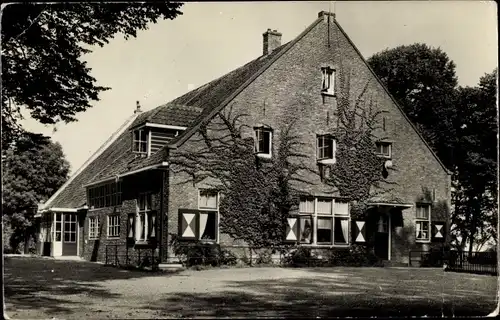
x=70 y=226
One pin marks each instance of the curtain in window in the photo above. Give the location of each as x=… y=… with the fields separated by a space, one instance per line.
x=341 y=208
x=211 y=201
x=305 y=229
x=345 y=226
x=203 y=223
x=152 y=225
x=418 y=229
x=306 y=205
x=130 y=233
x=325 y=206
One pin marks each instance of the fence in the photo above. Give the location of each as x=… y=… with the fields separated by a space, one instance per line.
x=475 y=262
x=137 y=257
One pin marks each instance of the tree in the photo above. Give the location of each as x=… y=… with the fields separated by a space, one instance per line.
x=32 y=172
x=476 y=162
x=423 y=81
x=42 y=47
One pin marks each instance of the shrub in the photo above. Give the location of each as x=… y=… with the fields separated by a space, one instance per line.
x=433 y=258
x=264 y=257
x=202 y=254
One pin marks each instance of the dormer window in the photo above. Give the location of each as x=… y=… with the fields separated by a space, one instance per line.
x=328 y=81
x=263 y=141
x=325 y=149
x=140 y=142
x=384 y=149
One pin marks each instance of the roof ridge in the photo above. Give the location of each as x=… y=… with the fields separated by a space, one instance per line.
x=390 y=96
x=94 y=156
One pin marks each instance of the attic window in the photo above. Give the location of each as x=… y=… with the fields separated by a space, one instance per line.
x=140 y=141
x=328 y=81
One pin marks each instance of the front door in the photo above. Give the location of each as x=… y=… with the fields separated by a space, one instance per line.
x=69 y=245
x=382 y=237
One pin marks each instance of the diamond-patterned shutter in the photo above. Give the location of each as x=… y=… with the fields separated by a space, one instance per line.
x=292 y=229
x=152 y=224
x=438 y=231
x=358 y=231
x=130 y=226
x=188 y=224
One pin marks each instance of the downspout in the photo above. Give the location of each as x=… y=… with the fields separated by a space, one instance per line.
x=162 y=213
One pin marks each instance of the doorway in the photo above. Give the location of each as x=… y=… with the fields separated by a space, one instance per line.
x=381 y=245
x=69 y=244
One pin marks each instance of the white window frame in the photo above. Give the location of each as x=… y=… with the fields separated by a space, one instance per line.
x=257 y=133
x=209 y=209
x=143 y=133
x=146 y=212
x=333 y=146
x=382 y=144
x=422 y=220
x=94 y=227
x=114 y=226
x=328 y=81
x=332 y=215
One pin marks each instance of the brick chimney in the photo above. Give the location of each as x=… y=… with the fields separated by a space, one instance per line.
x=272 y=40
x=138 y=108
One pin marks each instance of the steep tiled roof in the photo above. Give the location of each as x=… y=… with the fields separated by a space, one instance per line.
x=184 y=111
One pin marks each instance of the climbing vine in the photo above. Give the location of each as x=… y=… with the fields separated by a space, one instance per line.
x=359 y=171
x=256 y=193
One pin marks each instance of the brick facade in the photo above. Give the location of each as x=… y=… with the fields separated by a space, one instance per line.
x=290 y=91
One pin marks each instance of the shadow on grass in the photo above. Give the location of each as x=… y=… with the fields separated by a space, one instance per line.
x=39 y=283
x=337 y=292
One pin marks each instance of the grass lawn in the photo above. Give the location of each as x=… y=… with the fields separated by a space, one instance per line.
x=47 y=288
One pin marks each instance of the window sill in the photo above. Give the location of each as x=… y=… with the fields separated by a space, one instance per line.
x=329 y=94
x=384 y=156
x=115 y=208
x=323 y=246
x=113 y=237
x=264 y=155
x=327 y=161
x=422 y=241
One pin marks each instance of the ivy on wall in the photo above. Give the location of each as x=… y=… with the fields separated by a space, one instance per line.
x=256 y=193
x=358 y=172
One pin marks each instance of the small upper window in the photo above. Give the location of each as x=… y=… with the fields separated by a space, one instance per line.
x=263 y=141
x=328 y=80
x=384 y=149
x=325 y=147
x=140 y=143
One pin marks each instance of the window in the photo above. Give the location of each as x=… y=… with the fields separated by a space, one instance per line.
x=58 y=228
x=263 y=141
x=201 y=224
x=384 y=149
x=70 y=227
x=323 y=221
x=325 y=147
x=328 y=80
x=423 y=222
x=93 y=227
x=114 y=226
x=146 y=219
x=105 y=195
x=140 y=142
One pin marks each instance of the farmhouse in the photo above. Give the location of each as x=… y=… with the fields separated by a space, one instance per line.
x=131 y=195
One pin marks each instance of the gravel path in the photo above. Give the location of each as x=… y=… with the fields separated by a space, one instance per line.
x=82 y=289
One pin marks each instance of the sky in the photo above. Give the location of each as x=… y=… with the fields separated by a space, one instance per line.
x=211 y=39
